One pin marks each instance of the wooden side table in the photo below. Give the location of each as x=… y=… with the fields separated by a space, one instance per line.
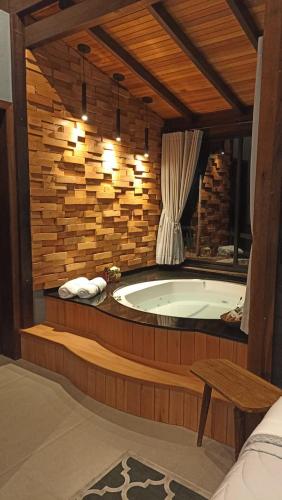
x=248 y=393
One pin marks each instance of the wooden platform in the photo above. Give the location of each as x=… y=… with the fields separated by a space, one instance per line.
x=163 y=348
x=145 y=391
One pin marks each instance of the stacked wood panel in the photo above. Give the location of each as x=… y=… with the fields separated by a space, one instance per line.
x=215 y=204
x=94 y=202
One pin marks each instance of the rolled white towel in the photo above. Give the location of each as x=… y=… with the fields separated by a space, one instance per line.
x=70 y=288
x=88 y=290
x=92 y=288
x=100 y=282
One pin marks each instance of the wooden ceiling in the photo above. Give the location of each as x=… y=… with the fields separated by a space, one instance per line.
x=145 y=37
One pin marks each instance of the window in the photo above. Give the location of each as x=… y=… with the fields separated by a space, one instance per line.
x=217 y=229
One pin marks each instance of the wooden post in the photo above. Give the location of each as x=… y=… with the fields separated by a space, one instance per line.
x=22 y=167
x=198 y=244
x=237 y=200
x=267 y=197
x=16 y=272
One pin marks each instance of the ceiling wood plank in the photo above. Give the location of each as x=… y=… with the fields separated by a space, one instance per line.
x=76 y=18
x=135 y=66
x=183 y=41
x=246 y=21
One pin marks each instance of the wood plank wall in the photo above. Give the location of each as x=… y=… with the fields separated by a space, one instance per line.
x=159 y=347
x=93 y=201
x=161 y=403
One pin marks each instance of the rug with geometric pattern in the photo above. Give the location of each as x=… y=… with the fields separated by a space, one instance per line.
x=136 y=479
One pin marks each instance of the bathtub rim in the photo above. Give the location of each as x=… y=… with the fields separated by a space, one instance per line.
x=110 y=306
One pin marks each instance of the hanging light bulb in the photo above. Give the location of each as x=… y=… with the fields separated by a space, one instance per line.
x=118 y=77
x=83 y=49
x=84 y=115
x=146 y=143
x=118 y=134
x=146 y=100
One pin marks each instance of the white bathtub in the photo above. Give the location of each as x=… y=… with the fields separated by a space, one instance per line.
x=184 y=298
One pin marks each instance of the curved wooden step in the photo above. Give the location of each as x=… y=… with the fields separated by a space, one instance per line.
x=122 y=383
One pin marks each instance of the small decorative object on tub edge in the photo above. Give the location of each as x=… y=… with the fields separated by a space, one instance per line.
x=233 y=317
x=112 y=274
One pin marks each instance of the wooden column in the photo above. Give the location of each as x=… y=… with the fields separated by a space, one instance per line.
x=277 y=337
x=267 y=197
x=22 y=168
x=16 y=266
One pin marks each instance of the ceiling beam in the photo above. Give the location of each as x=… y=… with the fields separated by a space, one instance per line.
x=118 y=51
x=76 y=18
x=246 y=21
x=186 y=45
x=24 y=7
x=4 y=5
x=208 y=121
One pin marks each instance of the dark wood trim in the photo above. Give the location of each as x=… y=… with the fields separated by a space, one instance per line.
x=23 y=232
x=4 y=5
x=24 y=7
x=245 y=20
x=103 y=37
x=222 y=124
x=237 y=200
x=9 y=297
x=74 y=19
x=160 y=13
x=267 y=220
x=277 y=337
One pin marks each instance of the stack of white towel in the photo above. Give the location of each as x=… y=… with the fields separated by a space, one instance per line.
x=83 y=287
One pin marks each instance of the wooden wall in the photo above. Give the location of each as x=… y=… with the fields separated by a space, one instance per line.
x=159 y=347
x=160 y=397
x=94 y=202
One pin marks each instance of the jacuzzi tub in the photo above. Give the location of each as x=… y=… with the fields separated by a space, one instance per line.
x=183 y=298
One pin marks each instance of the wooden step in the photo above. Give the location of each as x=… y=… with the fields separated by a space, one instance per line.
x=122 y=383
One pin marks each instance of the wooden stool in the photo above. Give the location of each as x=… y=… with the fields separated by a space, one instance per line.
x=248 y=393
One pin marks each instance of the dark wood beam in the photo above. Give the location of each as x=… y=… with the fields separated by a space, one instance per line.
x=22 y=169
x=160 y=13
x=208 y=121
x=244 y=18
x=4 y=5
x=267 y=212
x=100 y=34
x=24 y=7
x=9 y=297
x=76 y=18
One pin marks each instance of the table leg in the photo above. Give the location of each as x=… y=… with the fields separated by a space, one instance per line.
x=240 y=430
x=204 y=413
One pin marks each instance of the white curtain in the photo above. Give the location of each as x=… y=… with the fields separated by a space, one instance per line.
x=180 y=153
x=253 y=168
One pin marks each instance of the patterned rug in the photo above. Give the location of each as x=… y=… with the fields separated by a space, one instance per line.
x=135 y=479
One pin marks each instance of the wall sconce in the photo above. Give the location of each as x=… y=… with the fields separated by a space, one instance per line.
x=83 y=49
x=118 y=77
x=146 y=100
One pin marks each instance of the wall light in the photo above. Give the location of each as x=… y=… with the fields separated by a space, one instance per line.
x=118 y=77
x=146 y=100
x=83 y=49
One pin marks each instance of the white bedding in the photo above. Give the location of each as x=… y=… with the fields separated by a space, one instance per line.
x=257 y=475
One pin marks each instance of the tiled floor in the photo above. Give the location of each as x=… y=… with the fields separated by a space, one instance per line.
x=54 y=439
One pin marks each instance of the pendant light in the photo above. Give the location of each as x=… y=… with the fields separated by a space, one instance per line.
x=118 y=77
x=83 y=49
x=146 y=100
